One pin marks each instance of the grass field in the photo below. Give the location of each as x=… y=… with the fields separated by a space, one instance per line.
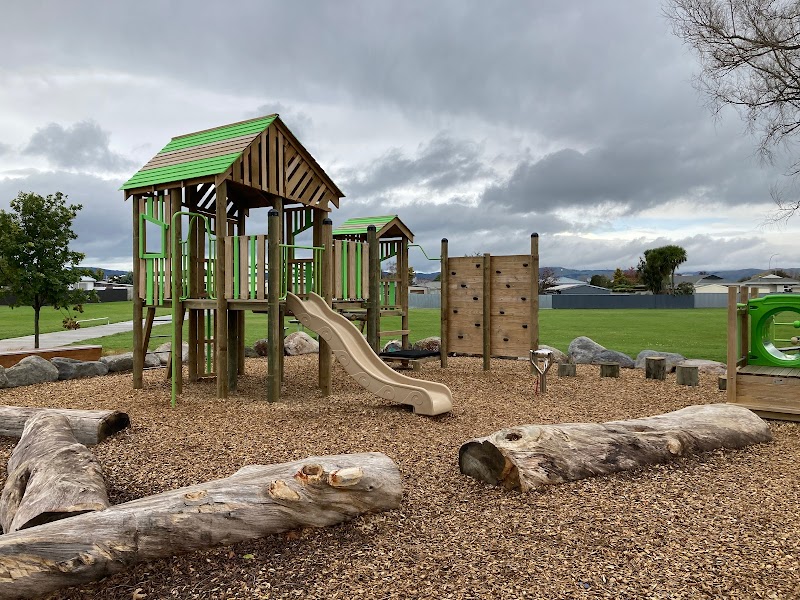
x=695 y=333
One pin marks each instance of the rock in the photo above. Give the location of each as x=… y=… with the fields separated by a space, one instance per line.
x=261 y=347
x=31 y=370
x=672 y=359
x=151 y=361
x=118 y=362
x=585 y=351
x=164 y=355
x=706 y=366
x=557 y=355
x=392 y=346
x=250 y=352
x=3 y=379
x=298 y=343
x=72 y=368
x=428 y=344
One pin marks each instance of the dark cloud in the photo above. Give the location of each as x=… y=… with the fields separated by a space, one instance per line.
x=5 y=148
x=104 y=223
x=298 y=122
x=440 y=164
x=83 y=146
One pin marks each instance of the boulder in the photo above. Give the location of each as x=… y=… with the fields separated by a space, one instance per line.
x=298 y=343
x=250 y=352
x=706 y=366
x=151 y=361
x=261 y=347
x=585 y=351
x=3 y=379
x=118 y=362
x=164 y=355
x=428 y=344
x=672 y=358
x=557 y=355
x=31 y=370
x=72 y=368
x=392 y=346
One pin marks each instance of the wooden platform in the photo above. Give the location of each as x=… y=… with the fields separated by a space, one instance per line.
x=9 y=359
x=770 y=392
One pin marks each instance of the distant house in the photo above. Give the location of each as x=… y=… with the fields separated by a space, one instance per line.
x=580 y=287
x=772 y=284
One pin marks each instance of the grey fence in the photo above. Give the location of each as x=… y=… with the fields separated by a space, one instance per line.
x=567 y=301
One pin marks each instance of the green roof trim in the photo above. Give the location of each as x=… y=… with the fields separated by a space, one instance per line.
x=360 y=224
x=220 y=133
x=187 y=170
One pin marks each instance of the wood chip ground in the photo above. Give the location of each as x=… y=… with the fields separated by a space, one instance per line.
x=724 y=524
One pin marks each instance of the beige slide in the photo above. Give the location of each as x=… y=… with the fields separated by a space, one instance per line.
x=362 y=364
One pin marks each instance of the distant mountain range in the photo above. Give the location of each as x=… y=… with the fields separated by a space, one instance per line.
x=107 y=272
x=586 y=274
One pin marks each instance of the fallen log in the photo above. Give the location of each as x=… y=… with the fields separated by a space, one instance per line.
x=89 y=426
x=254 y=502
x=50 y=476
x=530 y=456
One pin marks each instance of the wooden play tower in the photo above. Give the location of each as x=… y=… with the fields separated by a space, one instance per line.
x=191 y=204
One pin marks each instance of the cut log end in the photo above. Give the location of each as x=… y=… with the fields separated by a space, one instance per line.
x=482 y=461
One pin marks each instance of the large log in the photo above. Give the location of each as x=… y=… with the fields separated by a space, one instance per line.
x=254 y=502
x=89 y=426
x=50 y=476
x=530 y=456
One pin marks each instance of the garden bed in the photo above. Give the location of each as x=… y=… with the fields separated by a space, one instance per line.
x=722 y=524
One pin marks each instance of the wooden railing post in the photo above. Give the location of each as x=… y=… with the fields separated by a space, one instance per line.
x=275 y=326
x=487 y=312
x=325 y=357
x=138 y=333
x=220 y=273
x=374 y=302
x=444 y=279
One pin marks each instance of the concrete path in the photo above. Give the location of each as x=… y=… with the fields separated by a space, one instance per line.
x=67 y=337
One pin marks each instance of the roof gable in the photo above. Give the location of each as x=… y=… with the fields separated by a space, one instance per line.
x=386 y=226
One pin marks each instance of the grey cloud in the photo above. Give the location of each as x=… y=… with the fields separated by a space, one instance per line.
x=442 y=163
x=300 y=124
x=83 y=145
x=5 y=148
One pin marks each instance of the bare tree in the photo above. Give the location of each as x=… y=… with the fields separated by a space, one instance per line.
x=750 y=56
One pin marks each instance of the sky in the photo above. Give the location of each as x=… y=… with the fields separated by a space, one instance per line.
x=481 y=122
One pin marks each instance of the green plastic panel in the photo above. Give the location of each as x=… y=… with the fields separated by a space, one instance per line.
x=360 y=224
x=187 y=170
x=220 y=133
x=767 y=336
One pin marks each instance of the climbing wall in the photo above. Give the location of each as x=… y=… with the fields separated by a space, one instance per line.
x=508 y=282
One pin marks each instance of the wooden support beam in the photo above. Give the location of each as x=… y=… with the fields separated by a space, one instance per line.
x=486 y=324
x=733 y=352
x=138 y=355
x=533 y=325
x=275 y=327
x=325 y=357
x=221 y=333
x=374 y=302
x=444 y=277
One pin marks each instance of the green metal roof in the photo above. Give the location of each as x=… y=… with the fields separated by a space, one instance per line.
x=359 y=225
x=199 y=154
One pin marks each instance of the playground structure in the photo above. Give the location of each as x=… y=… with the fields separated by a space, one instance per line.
x=490 y=304
x=191 y=206
x=763 y=358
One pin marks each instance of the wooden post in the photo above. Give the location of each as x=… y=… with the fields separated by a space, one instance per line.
x=609 y=369
x=138 y=303
x=221 y=334
x=176 y=346
x=402 y=287
x=567 y=370
x=655 y=367
x=533 y=326
x=686 y=375
x=325 y=356
x=241 y=227
x=444 y=278
x=275 y=327
x=192 y=263
x=374 y=301
x=733 y=352
x=487 y=312
x=233 y=349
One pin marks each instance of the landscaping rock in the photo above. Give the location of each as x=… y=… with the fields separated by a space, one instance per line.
x=672 y=358
x=261 y=347
x=428 y=344
x=31 y=370
x=151 y=361
x=298 y=343
x=392 y=346
x=706 y=366
x=585 y=351
x=163 y=352
x=250 y=352
x=72 y=368
x=118 y=362
x=3 y=379
x=557 y=355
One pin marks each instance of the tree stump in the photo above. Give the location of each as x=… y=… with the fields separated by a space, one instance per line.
x=655 y=367
x=609 y=369
x=50 y=476
x=254 y=502
x=89 y=426
x=686 y=375
x=567 y=370
x=530 y=456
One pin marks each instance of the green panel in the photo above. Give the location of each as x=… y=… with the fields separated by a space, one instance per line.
x=162 y=253
x=220 y=133
x=187 y=170
x=359 y=248
x=345 y=291
x=359 y=225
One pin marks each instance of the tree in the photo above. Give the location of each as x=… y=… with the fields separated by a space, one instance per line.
x=391 y=268
x=126 y=278
x=619 y=279
x=748 y=52
x=600 y=281
x=673 y=257
x=547 y=279
x=685 y=289
x=37 y=266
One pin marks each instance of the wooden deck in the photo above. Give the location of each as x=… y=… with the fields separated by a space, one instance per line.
x=771 y=392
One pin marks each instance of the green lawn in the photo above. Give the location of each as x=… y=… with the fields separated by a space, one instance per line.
x=695 y=333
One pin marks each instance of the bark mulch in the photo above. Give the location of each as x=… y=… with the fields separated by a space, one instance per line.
x=724 y=524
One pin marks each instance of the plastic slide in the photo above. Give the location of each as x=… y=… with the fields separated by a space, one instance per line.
x=362 y=364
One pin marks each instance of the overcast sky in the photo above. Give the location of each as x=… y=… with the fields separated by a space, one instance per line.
x=477 y=121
